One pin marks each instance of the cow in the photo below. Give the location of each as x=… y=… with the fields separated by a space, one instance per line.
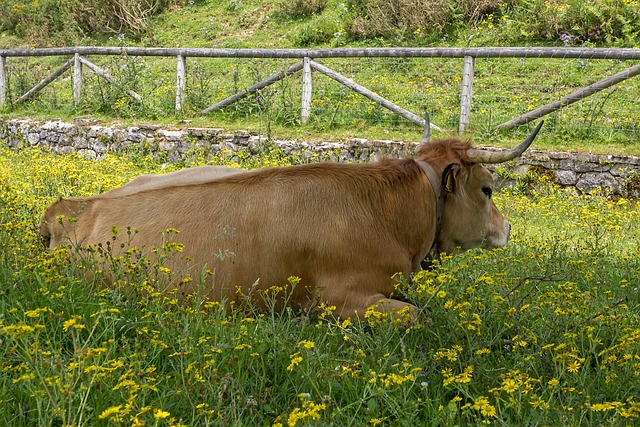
x=342 y=230
x=194 y=175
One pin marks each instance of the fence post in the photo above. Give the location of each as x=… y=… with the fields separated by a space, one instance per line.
x=3 y=80
x=307 y=86
x=181 y=81
x=467 y=92
x=77 y=78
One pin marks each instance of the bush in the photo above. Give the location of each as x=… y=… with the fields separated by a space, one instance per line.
x=406 y=19
x=65 y=22
x=599 y=21
x=302 y=8
x=318 y=31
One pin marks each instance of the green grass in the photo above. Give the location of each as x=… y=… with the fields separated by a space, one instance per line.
x=542 y=332
x=605 y=123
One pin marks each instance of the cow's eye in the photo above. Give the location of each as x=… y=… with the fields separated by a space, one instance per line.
x=488 y=191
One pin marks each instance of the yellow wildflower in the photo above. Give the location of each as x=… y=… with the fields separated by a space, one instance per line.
x=110 y=411
x=73 y=323
x=295 y=361
x=482 y=404
x=160 y=414
x=509 y=385
x=306 y=344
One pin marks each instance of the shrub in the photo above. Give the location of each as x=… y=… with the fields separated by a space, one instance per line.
x=407 y=19
x=302 y=8
x=598 y=21
x=317 y=31
x=595 y=21
x=64 y=22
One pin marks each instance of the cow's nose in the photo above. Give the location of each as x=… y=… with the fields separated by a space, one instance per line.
x=46 y=240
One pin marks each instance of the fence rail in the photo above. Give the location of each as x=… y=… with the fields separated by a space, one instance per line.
x=308 y=62
x=416 y=52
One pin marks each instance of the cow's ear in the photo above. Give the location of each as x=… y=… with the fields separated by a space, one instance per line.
x=449 y=178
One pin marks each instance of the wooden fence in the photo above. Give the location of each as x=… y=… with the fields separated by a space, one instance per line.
x=308 y=63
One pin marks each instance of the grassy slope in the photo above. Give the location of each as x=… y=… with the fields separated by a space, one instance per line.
x=218 y=24
x=253 y=23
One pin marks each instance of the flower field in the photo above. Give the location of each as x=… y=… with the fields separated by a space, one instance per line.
x=543 y=332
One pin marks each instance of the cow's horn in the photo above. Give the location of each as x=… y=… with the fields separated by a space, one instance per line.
x=426 y=135
x=477 y=155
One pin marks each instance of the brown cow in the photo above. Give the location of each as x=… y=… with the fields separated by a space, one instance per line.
x=343 y=229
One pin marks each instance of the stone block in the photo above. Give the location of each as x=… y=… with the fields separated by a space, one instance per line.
x=566 y=178
x=590 y=181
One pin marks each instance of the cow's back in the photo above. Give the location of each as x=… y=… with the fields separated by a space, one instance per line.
x=194 y=175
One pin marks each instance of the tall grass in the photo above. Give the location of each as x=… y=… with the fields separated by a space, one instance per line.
x=543 y=332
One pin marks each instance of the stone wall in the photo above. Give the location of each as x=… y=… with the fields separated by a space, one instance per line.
x=586 y=172
x=92 y=140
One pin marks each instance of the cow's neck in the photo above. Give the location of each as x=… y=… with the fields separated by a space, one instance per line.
x=436 y=184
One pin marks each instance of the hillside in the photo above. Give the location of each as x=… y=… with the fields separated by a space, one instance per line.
x=328 y=23
x=505 y=88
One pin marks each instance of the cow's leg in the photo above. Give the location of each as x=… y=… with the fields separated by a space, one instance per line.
x=378 y=306
x=374 y=307
x=360 y=295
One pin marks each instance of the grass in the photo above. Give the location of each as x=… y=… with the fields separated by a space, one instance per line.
x=605 y=123
x=542 y=332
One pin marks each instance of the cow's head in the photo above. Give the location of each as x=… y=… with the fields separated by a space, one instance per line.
x=470 y=218
x=57 y=222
